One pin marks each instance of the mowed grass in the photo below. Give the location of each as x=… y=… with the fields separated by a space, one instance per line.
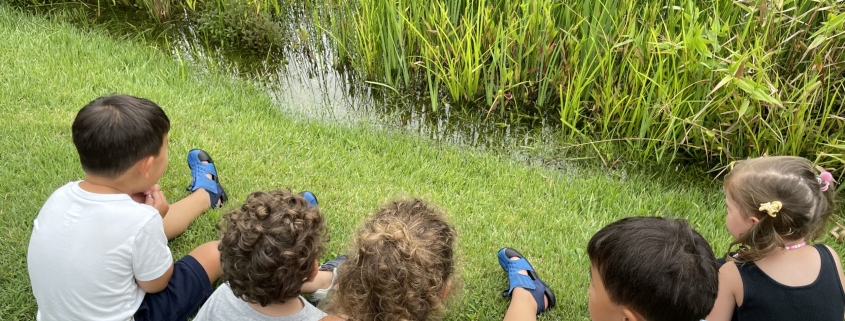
x=50 y=70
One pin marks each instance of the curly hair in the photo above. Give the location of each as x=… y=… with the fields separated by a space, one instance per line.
x=270 y=245
x=793 y=182
x=401 y=261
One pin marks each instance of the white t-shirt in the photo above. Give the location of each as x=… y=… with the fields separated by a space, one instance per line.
x=223 y=305
x=86 y=250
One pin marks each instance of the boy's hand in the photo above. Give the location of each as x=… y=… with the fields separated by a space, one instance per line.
x=155 y=198
x=140 y=198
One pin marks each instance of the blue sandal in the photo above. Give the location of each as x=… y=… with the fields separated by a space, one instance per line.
x=199 y=180
x=309 y=197
x=530 y=282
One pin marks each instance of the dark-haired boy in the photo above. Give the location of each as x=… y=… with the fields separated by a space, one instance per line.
x=269 y=251
x=98 y=249
x=644 y=269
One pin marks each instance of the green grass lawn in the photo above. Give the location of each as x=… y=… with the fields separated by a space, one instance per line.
x=49 y=70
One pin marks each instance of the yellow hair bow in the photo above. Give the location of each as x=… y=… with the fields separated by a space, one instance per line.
x=771 y=207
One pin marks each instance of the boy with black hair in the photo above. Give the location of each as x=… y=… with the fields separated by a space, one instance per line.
x=98 y=249
x=642 y=269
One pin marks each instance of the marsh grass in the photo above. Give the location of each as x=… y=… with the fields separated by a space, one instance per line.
x=711 y=81
x=708 y=82
x=51 y=69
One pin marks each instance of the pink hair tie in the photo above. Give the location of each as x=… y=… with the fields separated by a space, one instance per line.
x=825 y=177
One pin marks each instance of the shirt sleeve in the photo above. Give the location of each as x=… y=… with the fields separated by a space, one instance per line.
x=151 y=257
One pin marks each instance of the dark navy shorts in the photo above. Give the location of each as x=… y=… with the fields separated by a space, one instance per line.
x=186 y=291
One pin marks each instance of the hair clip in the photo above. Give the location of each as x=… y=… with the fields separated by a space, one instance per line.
x=824 y=180
x=771 y=207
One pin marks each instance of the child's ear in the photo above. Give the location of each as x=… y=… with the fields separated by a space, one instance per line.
x=754 y=220
x=144 y=165
x=630 y=315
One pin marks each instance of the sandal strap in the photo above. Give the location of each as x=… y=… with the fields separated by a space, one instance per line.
x=215 y=198
x=512 y=268
x=541 y=292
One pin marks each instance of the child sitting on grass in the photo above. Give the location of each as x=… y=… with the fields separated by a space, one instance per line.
x=641 y=269
x=775 y=205
x=400 y=266
x=98 y=249
x=269 y=250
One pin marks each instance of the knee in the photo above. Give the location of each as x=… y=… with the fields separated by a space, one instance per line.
x=208 y=256
x=207 y=251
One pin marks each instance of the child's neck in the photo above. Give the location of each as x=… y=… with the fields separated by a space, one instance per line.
x=793 y=243
x=790 y=249
x=101 y=185
x=290 y=307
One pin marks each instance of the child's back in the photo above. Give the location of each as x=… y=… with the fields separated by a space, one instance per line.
x=98 y=249
x=81 y=252
x=776 y=205
x=803 y=286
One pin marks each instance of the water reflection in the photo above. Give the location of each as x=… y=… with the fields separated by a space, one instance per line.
x=307 y=80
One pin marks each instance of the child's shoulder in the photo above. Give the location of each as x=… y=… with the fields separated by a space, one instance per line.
x=730 y=272
x=832 y=253
x=822 y=245
x=66 y=189
x=825 y=249
x=72 y=199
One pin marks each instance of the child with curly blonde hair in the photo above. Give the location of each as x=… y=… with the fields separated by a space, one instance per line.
x=269 y=250
x=400 y=266
x=775 y=206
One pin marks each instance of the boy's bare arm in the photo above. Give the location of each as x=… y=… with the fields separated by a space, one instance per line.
x=158 y=284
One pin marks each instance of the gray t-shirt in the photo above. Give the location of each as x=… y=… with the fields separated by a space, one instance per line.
x=223 y=305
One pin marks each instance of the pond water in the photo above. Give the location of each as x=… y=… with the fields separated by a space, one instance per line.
x=305 y=79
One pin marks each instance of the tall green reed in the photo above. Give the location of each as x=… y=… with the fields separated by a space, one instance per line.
x=707 y=80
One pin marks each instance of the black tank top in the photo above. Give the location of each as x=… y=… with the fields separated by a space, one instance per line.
x=767 y=300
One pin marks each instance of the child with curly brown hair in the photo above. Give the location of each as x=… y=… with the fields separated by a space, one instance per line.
x=269 y=250
x=399 y=268
x=775 y=206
